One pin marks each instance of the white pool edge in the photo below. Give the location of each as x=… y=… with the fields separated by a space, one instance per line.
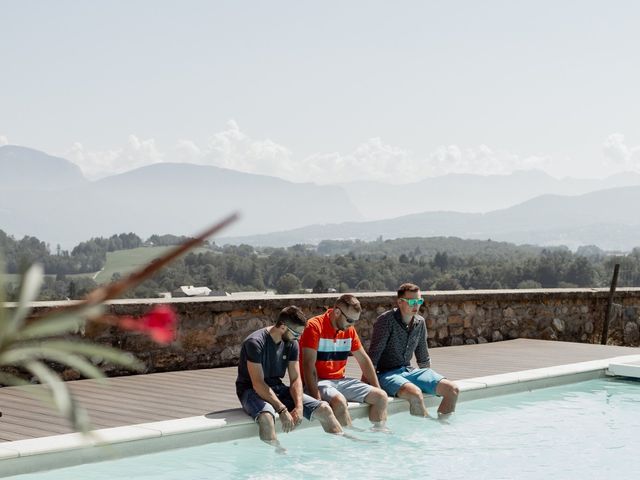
x=58 y=451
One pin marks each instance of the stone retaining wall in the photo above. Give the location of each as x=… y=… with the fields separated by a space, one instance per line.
x=211 y=329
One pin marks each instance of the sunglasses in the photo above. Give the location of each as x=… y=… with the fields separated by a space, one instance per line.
x=349 y=320
x=293 y=333
x=412 y=302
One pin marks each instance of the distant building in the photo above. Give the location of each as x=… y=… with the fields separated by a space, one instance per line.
x=191 y=291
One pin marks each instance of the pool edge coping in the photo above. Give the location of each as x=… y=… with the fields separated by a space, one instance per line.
x=58 y=451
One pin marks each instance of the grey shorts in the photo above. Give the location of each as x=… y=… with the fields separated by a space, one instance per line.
x=352 y=389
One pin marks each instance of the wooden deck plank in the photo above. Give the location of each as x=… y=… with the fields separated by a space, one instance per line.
x=162 y=396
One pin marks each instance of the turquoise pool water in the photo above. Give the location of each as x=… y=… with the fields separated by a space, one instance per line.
x=588 y=430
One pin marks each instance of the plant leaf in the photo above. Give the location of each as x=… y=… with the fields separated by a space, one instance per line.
x=2 y=299
x=29 y=290
x=21 y=355
x=110 y=354
x=11 y=380
x=59 y=391
x=49 y=326
x=61 y=395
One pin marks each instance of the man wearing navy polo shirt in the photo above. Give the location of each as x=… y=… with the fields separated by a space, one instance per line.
x=266 y=355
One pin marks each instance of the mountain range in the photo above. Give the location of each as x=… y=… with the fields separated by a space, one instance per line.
x=44 y=197
x=48 y=197
x=606 y=218
x=471 y=193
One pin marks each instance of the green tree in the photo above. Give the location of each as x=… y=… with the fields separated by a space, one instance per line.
x=288 y=283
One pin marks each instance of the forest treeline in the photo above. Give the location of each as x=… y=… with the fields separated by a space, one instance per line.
x=439 y=263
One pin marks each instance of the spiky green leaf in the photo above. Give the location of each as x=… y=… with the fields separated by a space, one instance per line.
x=109 y=354
x=19 y=356
x=29 y=290
x=11 y=380
x=48 y=327
x=61 y=395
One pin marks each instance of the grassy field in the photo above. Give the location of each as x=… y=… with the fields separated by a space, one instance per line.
x=14 y=278
x=121 y=261
x=125 y=261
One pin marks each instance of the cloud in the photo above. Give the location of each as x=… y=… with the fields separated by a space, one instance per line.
x=619 y=155
x=3 y=140
x=235 y=150
x=480 y=160
x=134 y=154
x=373 y=160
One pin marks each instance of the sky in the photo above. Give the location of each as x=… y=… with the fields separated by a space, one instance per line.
x=325 y=92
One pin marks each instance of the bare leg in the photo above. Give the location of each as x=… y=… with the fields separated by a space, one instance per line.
x=449 y=393
x=266 y=427
x=327 y=419
x=378 y=399
x=267 y=430
x=339 y=407
x=412 y=394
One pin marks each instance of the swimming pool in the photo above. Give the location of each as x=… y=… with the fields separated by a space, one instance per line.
x=581 y=430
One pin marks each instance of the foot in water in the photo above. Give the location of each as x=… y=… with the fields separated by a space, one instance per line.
x=277 y=445
x=380 y=427
x=445 y=418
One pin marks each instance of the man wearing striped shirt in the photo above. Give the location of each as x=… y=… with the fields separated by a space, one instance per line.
x=326 y=344
x=398 y=334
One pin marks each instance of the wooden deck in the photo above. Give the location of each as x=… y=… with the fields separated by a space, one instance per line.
x=163 y=396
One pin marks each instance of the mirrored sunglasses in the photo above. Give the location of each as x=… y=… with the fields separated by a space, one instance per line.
x=412 y=302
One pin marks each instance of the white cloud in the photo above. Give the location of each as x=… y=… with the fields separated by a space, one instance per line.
x=373 y=160
x=619 y=155
x=481 y=160
x=233 y=149
x=135 y=153
x=187 y=152
x=3 y=140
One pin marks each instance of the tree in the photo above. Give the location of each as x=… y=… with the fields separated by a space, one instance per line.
x=447 y=283
x=441 y=261
x=288 y=283
x=581 y=272
x=319 y=287
x=529 y=284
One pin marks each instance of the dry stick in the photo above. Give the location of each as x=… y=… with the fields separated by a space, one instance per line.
x=607 y=317
x=115 y=289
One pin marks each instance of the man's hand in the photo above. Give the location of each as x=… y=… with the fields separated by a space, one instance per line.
x=287 y=421
x=297 y=416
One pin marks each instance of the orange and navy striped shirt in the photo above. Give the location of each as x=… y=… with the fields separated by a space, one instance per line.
x=333 y=346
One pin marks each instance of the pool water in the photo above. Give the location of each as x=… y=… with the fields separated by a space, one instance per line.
x=578 y=431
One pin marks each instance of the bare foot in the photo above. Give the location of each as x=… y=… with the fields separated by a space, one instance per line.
x=380 y=427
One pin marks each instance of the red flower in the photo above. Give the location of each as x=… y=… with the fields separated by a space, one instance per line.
x=160 y=324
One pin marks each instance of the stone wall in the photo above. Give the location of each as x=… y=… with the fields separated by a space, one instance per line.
x=211 y=329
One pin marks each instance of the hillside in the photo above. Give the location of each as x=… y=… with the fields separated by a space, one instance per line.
x=25 y=168
x=471 y=193
x=178 y=198
x=605 y=218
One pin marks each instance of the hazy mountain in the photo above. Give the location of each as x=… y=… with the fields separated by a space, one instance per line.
x=606 y=218
x=48 y=197
x=22 y=167
x=180 y=199
x=470 y=193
